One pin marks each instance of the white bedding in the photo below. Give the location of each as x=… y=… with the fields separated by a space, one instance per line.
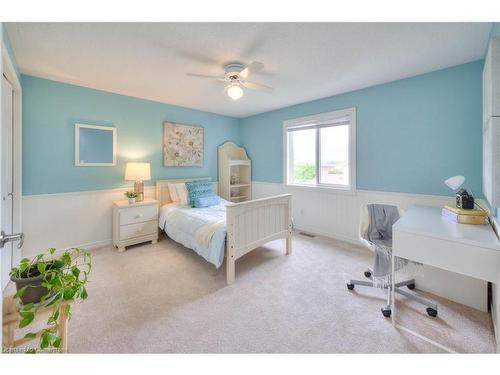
x=195 y=227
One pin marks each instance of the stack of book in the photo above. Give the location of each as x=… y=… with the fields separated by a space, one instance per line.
x=459 y=215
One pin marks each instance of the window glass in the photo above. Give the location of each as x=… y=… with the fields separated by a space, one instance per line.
x=334 y=158
x=302 y=146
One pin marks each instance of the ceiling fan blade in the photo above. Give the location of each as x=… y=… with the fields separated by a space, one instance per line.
x=205 y=76
x=257 y=86
x=254 y=67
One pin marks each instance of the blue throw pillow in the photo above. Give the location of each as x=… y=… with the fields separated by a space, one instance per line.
x=211 y=200
x=198 y=189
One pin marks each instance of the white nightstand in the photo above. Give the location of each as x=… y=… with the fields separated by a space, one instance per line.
x=134 y=223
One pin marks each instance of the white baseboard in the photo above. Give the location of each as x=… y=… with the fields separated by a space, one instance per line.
x=314 y=231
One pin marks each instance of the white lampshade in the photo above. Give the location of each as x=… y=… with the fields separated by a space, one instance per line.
x=138 y=172
x=455 y=182
x=235 y=92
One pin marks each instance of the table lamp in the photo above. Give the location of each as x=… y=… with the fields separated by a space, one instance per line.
x=138 y=172
x=464 y=199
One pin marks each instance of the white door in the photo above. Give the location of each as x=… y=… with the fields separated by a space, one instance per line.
x=10 y=168
x=7 y=183
x=6 y=172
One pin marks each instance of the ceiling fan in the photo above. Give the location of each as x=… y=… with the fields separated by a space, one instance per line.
x=235 y=77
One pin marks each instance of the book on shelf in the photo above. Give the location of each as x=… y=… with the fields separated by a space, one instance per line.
x=462 y=211
x=464 y=219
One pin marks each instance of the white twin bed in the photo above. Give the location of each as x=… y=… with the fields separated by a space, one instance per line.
x=228 y=230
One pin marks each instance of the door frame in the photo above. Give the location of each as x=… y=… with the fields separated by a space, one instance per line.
x=11 y=74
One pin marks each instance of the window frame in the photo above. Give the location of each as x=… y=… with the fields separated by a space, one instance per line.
x=317 y=121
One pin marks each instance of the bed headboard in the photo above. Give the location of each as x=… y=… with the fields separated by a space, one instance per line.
x=162 y=193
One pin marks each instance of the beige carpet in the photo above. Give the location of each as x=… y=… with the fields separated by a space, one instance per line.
x=164 y=298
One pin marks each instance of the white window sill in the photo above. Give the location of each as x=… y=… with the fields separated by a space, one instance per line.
x=322 y=188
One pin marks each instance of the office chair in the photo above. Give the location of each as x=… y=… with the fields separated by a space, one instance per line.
x=410 y=284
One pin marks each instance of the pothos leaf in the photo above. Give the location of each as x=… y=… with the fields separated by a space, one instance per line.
x=21 y=292
x=53 y=317
x=45 y=340
x=27 y=318
x=75 y=271
x=41 y=267
x=30 y=335
x=83 y=293
x=57 y=342
x=69 y=294
x=27 y=307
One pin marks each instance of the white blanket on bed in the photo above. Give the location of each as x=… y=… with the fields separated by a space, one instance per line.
x=205 y=233
x=184 y=224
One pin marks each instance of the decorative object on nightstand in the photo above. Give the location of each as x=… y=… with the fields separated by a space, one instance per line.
x=464 y=211
x=464 y=199
x=235 y=173
x=138 y=172
x=131 y=196
x=135 y=223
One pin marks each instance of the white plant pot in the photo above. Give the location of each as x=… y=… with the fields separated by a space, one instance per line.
x=131 y=200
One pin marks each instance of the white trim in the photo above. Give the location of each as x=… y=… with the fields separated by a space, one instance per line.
x=362 y=191
x=319 y=119
x=333 y=236
x=10 y=73
x=77 y=145
x=330 y=189
x=76 y=193
x=86 y=246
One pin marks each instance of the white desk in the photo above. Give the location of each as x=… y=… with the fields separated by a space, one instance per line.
x=422 y=235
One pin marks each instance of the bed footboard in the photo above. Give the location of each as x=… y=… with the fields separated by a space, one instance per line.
x=253 y=223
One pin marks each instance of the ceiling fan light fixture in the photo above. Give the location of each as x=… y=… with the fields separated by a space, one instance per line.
x=235 y=92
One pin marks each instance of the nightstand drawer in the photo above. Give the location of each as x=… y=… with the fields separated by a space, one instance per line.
x=138 y=214
x=138 y=230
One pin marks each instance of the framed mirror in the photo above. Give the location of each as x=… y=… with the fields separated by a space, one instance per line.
x=95 y=146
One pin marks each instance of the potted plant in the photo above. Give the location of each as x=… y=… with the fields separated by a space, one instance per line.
x=131 y=196
x=49 y=283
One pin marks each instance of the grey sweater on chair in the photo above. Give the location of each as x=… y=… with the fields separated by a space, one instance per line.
x=382 y=217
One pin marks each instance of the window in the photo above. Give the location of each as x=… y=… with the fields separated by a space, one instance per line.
x=320 y=150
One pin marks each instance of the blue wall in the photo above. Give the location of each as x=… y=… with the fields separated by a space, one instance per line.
x=51 y=109
x=411 y=134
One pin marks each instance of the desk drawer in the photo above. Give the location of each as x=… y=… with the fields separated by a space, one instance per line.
x=138 y=214
x=138 y=230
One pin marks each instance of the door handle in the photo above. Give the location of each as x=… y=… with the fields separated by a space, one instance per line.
x=4 y=238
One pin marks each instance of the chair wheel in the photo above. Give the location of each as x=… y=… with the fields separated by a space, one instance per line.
x=411 y=286
x=432 y=312
x=350 y=286
x=386 y=312
x=368 y=274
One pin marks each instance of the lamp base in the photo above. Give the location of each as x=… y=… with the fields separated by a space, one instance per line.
x=139 y=190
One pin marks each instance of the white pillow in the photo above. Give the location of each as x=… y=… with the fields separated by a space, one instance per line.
x=173 y=193
x=182 y=193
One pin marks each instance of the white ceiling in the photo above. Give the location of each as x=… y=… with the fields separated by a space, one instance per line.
x=303 y=61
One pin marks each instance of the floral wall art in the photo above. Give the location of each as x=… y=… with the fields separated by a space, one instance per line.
x=182 y=145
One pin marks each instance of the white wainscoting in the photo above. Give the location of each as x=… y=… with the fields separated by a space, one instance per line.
x=83 y=219
x=79 y=219
x=336 y=215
